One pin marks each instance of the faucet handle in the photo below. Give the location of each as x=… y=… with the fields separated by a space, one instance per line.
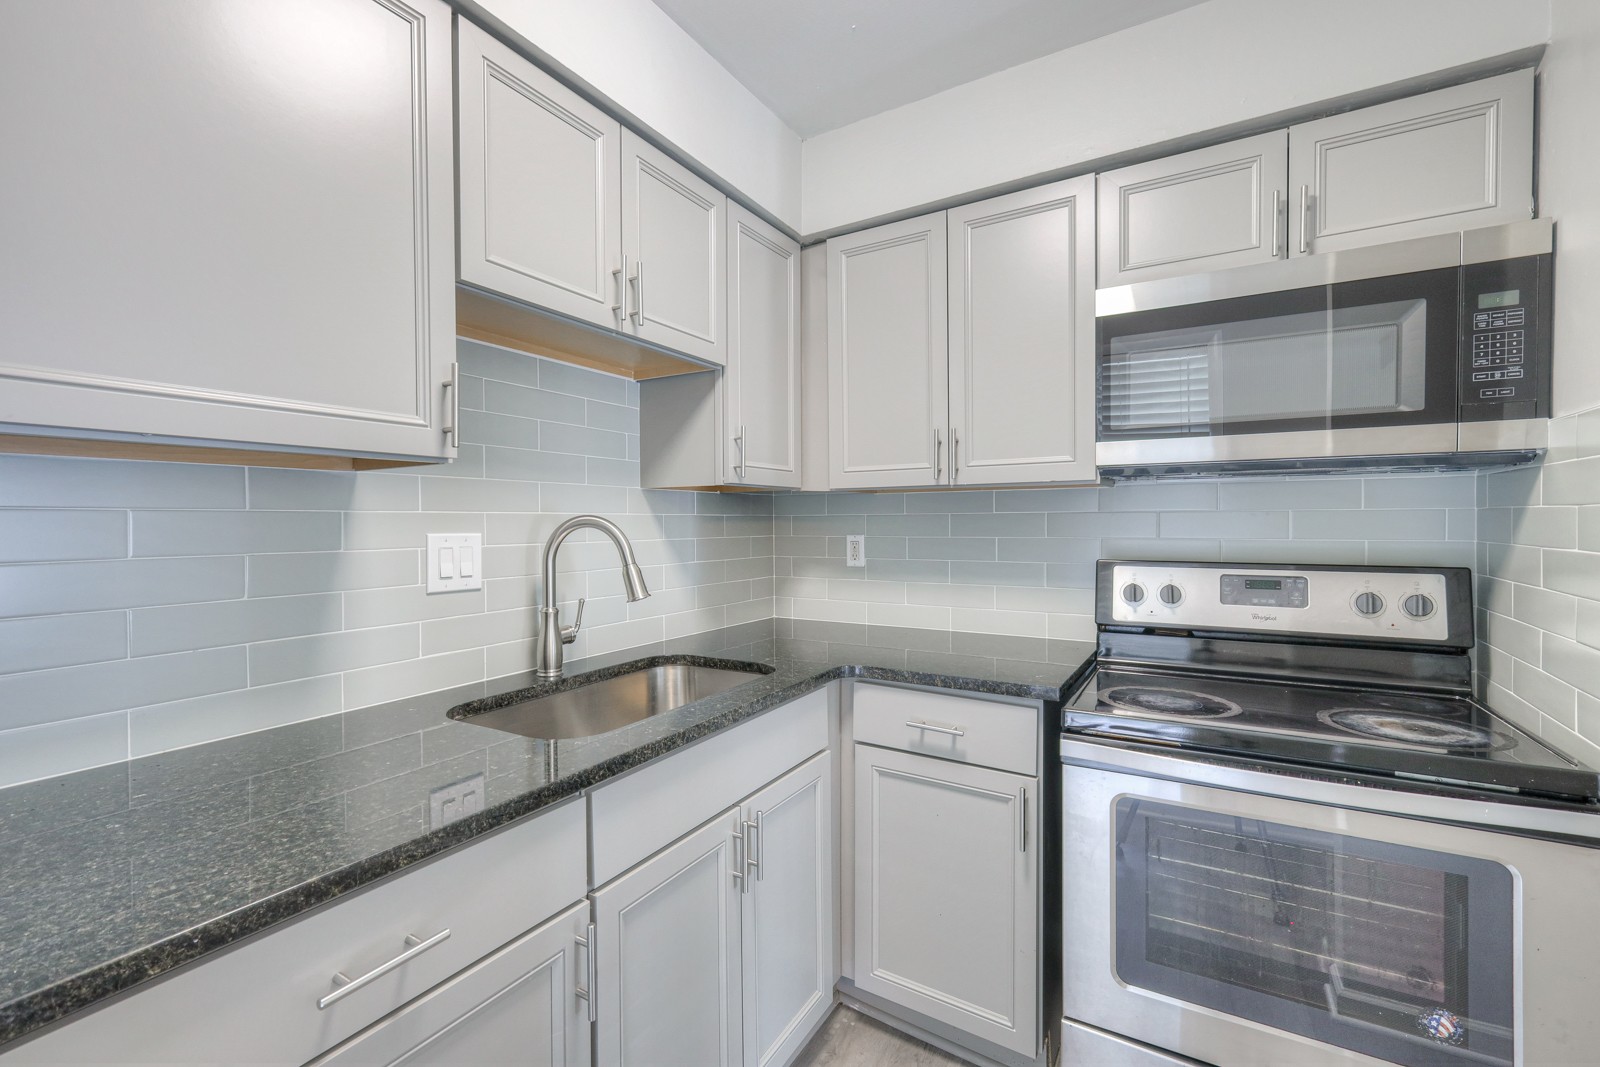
x=569 y=634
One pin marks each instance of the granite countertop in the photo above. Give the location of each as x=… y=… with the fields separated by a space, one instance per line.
x=111 y=876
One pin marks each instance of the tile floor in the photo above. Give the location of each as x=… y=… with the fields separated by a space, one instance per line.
x=850 y=1039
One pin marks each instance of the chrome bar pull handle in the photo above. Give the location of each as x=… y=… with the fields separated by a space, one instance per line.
x=1022 y=799
x=928 y=726
x=739 y=859
x=638 y=293
x=938 y=454
x=344 y=985
x=587 y=992
x=1305 y=218
x=738 y=442
x=955 y=455
x=620 y=308
x=1277 y=223
x=752 y=848
x=452 y=406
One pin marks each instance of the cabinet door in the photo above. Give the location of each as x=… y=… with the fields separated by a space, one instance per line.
x=673 y=235
x=947 y=883
x=1022 y=337
x=235 y=226
x=667 y=955
x=1218 y=207
x=789 y=971
x=888 y=365
x=518 y=1006
x=1448 y=160
x=762 y=382
x=541 y=185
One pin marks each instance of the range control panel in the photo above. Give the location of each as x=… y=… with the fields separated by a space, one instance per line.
x=1389 y=604
x=1505 y=337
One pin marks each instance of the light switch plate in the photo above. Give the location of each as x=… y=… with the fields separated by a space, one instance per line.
x=455 y=562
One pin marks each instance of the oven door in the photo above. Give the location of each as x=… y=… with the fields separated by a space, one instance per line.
x=1212 y=920
x=1322 y=369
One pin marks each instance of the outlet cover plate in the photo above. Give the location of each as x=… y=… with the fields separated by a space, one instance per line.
x=455 y=801
x=855 y=550
x=455 y=562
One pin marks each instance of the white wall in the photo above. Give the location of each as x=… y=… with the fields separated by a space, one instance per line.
x=1206 y=67
x=630 y=52
x=1569 y=159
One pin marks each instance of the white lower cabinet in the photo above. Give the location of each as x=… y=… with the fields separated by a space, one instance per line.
x=520 y=1006
x=947 y=893
x=719 y=949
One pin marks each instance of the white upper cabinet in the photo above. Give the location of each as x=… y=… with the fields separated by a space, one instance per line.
x=1022 y=337
x=763 y=376
x=231 y=224
x=674 y=229
x=541 y=185
x=1223 y=206
x=888 y=356
x=1454 y=159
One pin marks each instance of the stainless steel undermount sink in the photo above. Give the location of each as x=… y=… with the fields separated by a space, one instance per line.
x=598 y=707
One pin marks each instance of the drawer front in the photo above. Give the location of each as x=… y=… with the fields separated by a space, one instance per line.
x=257 y=1003
x=641 y=813
x=985 y=732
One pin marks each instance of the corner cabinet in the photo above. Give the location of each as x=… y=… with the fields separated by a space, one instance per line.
x=739 y=428
x=961 y=345
x=233 y=230
x=1452 y=159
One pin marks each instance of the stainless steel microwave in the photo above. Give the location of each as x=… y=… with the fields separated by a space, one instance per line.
x=1429 y=353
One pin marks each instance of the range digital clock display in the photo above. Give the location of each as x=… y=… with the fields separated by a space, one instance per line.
x=1265 y=591
x=1264 y=583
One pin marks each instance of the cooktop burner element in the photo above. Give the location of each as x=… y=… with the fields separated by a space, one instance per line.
x=1163 y=700
x=1412 y=729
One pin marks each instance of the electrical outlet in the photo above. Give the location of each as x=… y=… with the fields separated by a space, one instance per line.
x=455 y=562
x=455 y=801
x=855 y=550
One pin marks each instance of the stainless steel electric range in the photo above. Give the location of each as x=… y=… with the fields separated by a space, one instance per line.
x=1291 y=835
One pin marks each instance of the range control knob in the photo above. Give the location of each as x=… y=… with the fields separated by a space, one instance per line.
x=1417 y=605
x=1170 y=595
x=1133 y=593
x=1369 y=605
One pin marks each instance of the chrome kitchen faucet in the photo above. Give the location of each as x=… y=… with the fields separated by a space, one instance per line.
x=552 y=635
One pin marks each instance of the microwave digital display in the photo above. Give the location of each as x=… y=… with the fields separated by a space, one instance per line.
x=1508 y=298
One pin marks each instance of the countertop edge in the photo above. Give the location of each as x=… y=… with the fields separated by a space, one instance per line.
x=34 y=1012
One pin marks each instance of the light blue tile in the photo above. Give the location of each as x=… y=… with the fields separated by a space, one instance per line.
x=1577 y=482
x=1160 y=496
x=192 y=722
x=979 y=572
x=907 y=570
x=331 y=653
x=61 y=588
x=179 y=627
x=62 y=747
x=219 y=533
x=945 y=503
x=394 y=681
x=95 y=688
x=1272 y=494
x=1370 y=525
x=950 y=548
x=281 y=489
x=909 y=525
x=488 y=428
x=1209 y=525
x=996 y=524
x=617 y=417
x=1105 y=524
x=28 y=536
x=866 y=503
x=380 y=607
x=43 y=642
x=322 y=572
x=405 y=529
x=1049 y=549
x=1086 y=498
x=1421 y=491
x=582 y=441
x=539 y=404
x=579 y=381
x=498 y=364
x=44 y=481
x=479 y=494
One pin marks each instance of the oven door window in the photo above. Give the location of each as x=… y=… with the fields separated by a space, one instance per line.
x=1355 y=354
x=1400 y=953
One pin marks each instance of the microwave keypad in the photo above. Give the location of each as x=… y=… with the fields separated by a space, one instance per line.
x=1499 y=349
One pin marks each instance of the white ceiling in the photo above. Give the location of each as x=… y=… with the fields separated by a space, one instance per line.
x=822 y=64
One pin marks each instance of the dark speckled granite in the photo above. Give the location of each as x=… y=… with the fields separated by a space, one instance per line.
x=112 y=876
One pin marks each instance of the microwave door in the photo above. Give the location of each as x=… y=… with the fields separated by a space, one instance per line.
x=1357 y=368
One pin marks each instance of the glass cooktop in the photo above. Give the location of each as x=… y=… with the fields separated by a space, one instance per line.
x=1425 y=736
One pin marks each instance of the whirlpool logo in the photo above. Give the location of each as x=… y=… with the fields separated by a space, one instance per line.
x=1263 y=617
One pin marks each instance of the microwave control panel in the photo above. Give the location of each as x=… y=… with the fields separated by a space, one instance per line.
x=1505 y=339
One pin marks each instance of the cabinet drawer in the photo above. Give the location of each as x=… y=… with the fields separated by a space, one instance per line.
x=257 y=1003
x=645 y=811
x=986 y=732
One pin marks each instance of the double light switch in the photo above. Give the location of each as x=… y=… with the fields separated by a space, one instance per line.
x=455 y=562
